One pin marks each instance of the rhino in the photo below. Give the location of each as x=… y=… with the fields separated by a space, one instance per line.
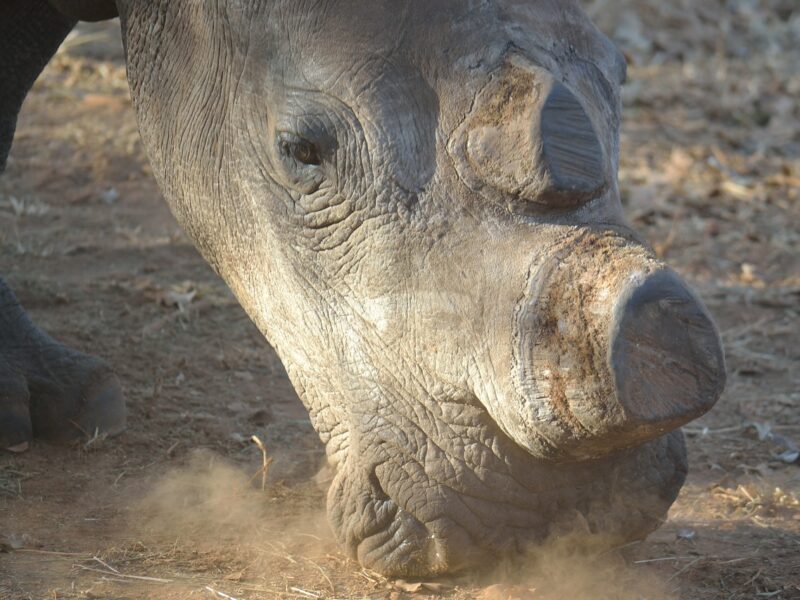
x=417 y=204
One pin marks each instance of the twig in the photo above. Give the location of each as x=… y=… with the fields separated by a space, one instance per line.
x=367 y=577
x=53 y=552
x=734 y=560
x=620 y=547
x=266 y=461
x=303 y=592
x=96 y=436
x=752 y=579
x=746 y=493
x=171 y=449
x=652 y=560
x=118 y=580
x=106 y=565
x=157 y=324
x=690 y=565
x=325 y=575
x=113 y=574
x=707 y=431
x=120 y=476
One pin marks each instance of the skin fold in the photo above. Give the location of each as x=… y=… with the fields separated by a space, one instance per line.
x=417 y=205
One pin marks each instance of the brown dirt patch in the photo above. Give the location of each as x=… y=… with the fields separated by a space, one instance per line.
x=710 y=175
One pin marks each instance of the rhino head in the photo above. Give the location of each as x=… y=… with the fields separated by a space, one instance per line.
x=417 y=204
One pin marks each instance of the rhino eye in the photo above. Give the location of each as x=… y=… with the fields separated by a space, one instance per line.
x=299 y=149
x=299 y=162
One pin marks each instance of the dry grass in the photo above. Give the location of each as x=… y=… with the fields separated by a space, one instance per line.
x=11 y=478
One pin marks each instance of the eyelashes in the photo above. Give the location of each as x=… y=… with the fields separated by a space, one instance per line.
x=301 y=150
x=300 y=162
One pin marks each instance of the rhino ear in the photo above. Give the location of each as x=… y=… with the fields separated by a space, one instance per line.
x=30 y=33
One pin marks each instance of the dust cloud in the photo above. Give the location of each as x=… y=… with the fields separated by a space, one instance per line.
x=207 y=498
x=575 y=566
x=211 y=516
x=212 y=507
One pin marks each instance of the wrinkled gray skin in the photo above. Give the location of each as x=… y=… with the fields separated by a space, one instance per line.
x=417 y=205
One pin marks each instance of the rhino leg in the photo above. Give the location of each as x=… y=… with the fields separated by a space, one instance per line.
x=48 y=390
x=30 y=33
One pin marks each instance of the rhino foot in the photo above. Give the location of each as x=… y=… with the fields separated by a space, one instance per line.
x=50 y=391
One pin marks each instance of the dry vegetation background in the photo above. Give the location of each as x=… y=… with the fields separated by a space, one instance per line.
x=710 y=174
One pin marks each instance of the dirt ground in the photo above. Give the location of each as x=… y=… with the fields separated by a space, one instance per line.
x=710 y=175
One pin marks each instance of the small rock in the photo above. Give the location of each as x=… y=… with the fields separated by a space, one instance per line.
x=109 y=196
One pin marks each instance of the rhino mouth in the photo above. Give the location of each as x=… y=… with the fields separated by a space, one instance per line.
x=465 y=509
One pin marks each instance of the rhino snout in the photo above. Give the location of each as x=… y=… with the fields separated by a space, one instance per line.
x=613 y=350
